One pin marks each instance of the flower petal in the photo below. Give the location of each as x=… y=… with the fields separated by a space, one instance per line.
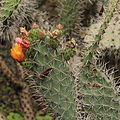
x=18 y=40
x=17 y=53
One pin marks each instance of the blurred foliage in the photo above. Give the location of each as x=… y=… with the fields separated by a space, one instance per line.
x=47 y=117
x=14 y=116
x=17 y=116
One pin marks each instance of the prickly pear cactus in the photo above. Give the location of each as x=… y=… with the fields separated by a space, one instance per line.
x=99 y=98
x=102 y=26
x=97 y=94
x=57 y=87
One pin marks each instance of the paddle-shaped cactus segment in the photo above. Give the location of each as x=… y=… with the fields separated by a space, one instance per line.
x=99 y=36
x=57 y=87
x=99 y=98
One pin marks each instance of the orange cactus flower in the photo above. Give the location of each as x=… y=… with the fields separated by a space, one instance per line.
x=17 y=53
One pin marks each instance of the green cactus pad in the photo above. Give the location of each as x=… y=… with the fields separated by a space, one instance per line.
x=57 y=87
x=99 y=97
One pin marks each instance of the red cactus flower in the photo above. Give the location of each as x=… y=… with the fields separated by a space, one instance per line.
x=23 y=42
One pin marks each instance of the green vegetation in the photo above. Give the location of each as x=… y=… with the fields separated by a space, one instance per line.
x=47 y=117
x=57 y=87
x=14 y=116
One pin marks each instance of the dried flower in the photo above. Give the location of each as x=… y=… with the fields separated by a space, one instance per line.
x=24 y=33
x=59 y=26
x=54 y=34
x=17 y=53
x=71 y=44
x=23 y=42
